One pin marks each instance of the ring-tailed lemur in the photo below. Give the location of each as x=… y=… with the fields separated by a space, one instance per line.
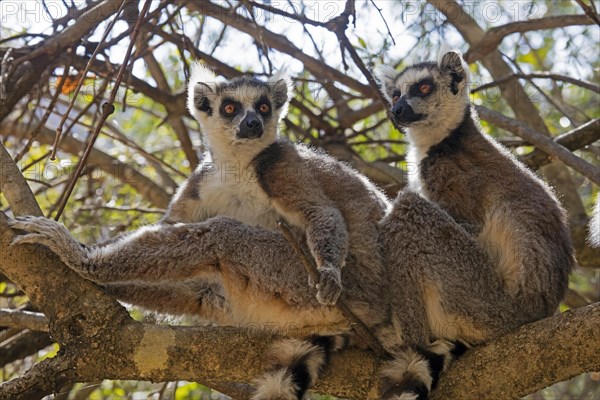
x=251 y=174
x=513 y=214
x=254 y=176
x=436 y=279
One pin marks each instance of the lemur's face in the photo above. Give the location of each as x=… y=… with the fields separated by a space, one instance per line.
x=425 y=94
x=238 y=112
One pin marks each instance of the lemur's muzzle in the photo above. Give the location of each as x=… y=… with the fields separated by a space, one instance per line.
x=404 y=114
x=251 y=127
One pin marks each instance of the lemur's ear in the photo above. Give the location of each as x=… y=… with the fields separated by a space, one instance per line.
x=451 y=63
x=281 y=89
x=202 y=84
x=387 y=77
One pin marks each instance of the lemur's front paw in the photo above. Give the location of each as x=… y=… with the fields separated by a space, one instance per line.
x=329 y=286
x=49 y=233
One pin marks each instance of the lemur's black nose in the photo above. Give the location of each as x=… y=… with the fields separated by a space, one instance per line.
x=253 y=122
x=403 y=113
x=251 y=127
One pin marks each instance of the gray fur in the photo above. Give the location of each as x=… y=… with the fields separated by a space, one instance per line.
x=413 y=276
x=509 y=222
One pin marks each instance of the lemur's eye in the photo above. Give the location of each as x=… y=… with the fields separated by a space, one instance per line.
x=395 y=97
x=229 y=108
x=424 y=88
x=264 y=108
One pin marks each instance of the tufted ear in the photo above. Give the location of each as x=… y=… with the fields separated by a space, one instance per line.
x=202 y=84
x=387 y=77
x=281 y=88
x=451 y=63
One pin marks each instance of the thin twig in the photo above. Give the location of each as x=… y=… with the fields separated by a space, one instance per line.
x=107 y=109
x=589 y=11
x=49 y=109
x=309 y=264
x=384 y=21
x=82 y=80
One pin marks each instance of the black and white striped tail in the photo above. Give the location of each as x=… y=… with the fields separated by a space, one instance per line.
x=294 y=366
x=415 y=371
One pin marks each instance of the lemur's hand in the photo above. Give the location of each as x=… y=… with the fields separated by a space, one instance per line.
x=329 y=286
x=49 y=233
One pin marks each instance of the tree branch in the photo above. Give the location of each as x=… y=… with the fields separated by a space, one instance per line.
x=575 y=139
x=125 y=349
x=127 y=173
x=22 y=319
x=545 y=75
x=281 y=43
x=531 y=358
x=494 y=36
x=541 y=141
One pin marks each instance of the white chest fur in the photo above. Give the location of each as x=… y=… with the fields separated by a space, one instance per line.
x=413 y=162
x=236 y=193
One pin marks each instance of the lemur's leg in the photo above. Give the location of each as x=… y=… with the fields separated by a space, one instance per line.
x=205 y=300
x=174 y=253
x=294 y=366
x=440 y=272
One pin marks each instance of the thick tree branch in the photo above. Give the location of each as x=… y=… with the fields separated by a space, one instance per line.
x=575 y=139
x=494 y=36
x=100 y=342
x=15 y=188
x=541 y=141
x=527 y=360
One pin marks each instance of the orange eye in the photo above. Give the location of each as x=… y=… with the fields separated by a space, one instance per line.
x=264 y=108
x=395 y=98
x=424 y=88
x=229 y=108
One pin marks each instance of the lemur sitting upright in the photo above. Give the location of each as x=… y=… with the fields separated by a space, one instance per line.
x=251 y=174
x=443 y=285
x=512 y=213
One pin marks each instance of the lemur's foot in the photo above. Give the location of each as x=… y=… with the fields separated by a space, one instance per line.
x=49 y=233
x=329 y=286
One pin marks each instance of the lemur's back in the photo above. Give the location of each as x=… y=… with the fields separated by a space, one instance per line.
x=515 y=215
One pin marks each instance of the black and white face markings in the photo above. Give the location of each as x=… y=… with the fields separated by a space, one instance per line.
x=237 y=111
x=244 y=106
x=423 y=91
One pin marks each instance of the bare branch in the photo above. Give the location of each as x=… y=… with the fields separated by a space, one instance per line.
x=541 y=141
x=575 y=139
x=107 y=109
x=590 y=11
x=492 y=38
x=545 y=75
x=15 y=188
x=127 y=173
x=280 y=43
x=22 y=319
